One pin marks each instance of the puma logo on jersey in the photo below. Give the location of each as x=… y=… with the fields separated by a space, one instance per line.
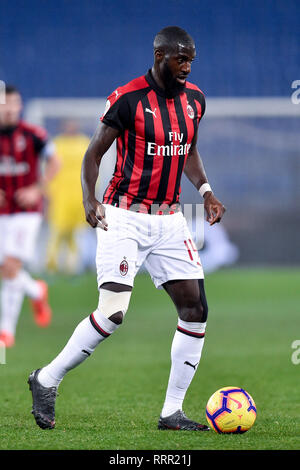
x=147 y=110
x=117 y=93
x=189 y=364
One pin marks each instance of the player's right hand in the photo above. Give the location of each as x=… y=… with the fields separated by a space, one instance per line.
x=2 y=198
x=95 y=213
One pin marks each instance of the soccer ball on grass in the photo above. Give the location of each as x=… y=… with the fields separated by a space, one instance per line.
x=231 y=410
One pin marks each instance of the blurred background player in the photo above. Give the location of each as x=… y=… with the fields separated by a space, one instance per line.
x=218 y=251
x=22 y=147
x=66 y=215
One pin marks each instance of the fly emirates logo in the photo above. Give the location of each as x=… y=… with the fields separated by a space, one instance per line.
x=173 y=149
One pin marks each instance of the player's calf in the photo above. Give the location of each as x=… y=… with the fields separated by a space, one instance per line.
x=87 y=335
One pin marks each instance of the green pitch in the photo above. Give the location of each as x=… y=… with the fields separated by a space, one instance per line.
x=113 y=400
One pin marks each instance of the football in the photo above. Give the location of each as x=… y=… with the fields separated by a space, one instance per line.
x=231 y=410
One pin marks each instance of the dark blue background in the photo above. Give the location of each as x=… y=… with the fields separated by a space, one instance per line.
x=87 y=48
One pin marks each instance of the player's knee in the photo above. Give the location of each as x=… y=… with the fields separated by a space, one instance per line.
x=196 y=308
x=116 y=318
x=203 y=300
x=204 y=312
x=193 y=313
x=114 y=305
x=199 y=311
x=10 y=268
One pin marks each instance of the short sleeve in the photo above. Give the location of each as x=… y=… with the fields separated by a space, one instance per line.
x=116 y=113
x=203 y=105
x=200 y=105
x=40 y=138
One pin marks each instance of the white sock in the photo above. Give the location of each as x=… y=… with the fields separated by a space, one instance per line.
x=185 y=356
x=31 y=286
x=12 y=294
x=87 y=335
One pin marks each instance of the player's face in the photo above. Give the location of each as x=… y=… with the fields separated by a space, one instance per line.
x=176 y=66
x=180 y=62
x=10 y=111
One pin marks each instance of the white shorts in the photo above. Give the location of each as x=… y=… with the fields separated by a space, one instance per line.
x=162 y=242
x=18 y=233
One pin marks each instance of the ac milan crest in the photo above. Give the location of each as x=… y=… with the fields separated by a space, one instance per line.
x=190 y=111
x=124 y=267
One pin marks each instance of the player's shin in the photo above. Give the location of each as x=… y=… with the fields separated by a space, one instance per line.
x=87 y=335
x=185 y=356
x=12 y=294
x=31 y=286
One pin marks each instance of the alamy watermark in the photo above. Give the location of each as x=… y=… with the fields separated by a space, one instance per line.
x=2 y=353
x=296 y=354
x=193 y=214
x=2 y=92
x=296 y=94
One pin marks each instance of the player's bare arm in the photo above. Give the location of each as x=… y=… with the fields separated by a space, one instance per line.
x=27 y=196
x=195 y=172
x=100 y=143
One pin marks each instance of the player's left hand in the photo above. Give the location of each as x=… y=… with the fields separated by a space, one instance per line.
x=214 y=208
x=28 y=196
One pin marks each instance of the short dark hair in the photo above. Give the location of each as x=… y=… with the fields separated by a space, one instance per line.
x=10 y=89
x=170 y=36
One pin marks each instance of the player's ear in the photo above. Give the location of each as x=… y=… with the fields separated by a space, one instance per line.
x=159 y=55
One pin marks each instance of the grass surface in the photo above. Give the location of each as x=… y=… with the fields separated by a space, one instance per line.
x=113 y=400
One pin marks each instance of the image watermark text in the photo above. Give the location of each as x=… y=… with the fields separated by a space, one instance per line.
x=2 y=353
x=2 y=92
x=296 y=354
x=296 y=94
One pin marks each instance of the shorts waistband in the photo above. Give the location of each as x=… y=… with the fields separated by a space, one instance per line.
x=153 y=209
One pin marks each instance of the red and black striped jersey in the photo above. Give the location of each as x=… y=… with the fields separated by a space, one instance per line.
x=156 y=134
x=20 y=148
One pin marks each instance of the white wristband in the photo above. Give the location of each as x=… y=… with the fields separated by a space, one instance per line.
x=203 y=188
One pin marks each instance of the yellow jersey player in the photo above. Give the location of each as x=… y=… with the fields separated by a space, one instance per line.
x=66 y=214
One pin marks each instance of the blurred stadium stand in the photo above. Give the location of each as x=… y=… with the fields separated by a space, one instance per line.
x=248 y=57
